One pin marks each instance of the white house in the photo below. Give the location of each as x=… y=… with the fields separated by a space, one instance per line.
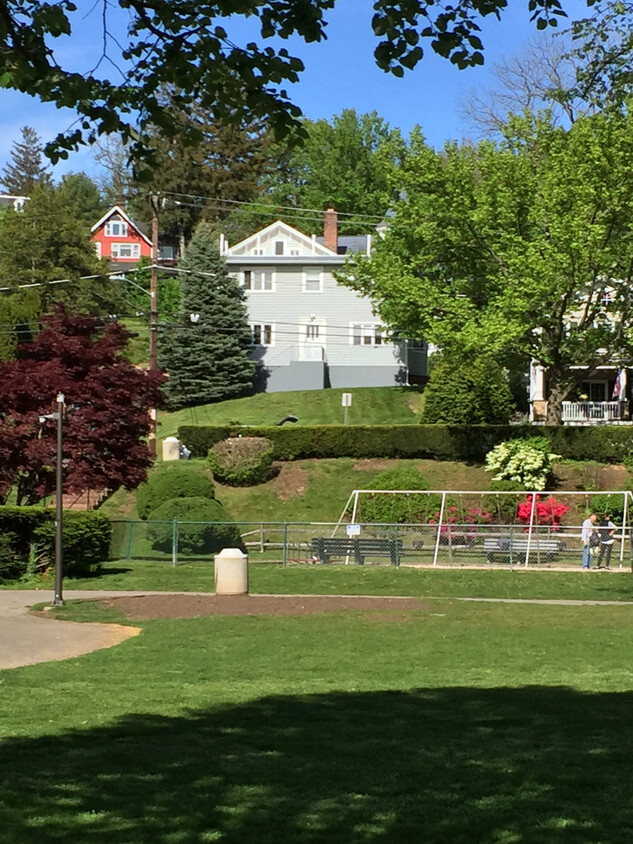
x=309 y=332
x=12 y=201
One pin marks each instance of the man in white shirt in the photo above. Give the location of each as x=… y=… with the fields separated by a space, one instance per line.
x=588 y=528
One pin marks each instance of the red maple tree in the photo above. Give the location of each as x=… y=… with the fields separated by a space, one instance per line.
x=107 y=410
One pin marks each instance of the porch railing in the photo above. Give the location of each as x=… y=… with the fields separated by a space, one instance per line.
x=589 y=411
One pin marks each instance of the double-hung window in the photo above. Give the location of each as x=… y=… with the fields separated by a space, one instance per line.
x=313 y=280
x=367 y=334
x=259 y=280
x=262 y=333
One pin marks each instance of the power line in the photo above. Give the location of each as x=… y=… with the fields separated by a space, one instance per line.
x=272 y=208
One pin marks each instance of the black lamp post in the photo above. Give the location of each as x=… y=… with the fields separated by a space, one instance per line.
x=58 y=416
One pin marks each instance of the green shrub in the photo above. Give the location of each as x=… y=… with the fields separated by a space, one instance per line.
x=86 y=537
x=86 y=540
x=241 y=461
x=204 y=537
x=398 y=508
x=612 y=504
x=10 y=566
x=175 y=479
x=468 y=392
x=527 y=462
x=503 y=508
x=604 y=443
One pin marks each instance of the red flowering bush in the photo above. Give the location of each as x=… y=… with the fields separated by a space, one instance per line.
x=547 y=511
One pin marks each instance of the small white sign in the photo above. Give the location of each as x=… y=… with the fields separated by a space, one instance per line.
x=353 y=530
x=346 y=399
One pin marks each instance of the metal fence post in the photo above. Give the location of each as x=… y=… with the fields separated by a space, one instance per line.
x=130 y=540
x=285 y=542
x=174 y=543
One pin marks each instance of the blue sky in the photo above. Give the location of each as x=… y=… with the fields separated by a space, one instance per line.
x=340 y=73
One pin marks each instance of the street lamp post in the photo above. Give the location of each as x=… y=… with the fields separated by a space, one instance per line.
x=58 y=600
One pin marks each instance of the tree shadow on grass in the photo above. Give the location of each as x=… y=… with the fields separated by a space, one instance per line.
x=438 y=765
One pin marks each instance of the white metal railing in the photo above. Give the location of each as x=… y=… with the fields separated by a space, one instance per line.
x=587 y=411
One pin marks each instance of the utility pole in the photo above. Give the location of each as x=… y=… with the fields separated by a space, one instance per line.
x=153 y=314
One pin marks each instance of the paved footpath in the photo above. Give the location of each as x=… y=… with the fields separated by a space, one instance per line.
x=27 y=639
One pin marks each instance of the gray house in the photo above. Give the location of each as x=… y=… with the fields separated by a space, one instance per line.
x=309 y=332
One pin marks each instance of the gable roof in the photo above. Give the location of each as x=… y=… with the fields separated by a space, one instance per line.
x=310 y=244
x=116 y=209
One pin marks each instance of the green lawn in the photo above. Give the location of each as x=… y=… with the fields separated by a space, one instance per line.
x=457 y=723
x=370 y=406
x=355 y=580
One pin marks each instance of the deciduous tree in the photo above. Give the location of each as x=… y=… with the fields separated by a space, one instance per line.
x=521 y=247
x=107 y=416
x=192 y=47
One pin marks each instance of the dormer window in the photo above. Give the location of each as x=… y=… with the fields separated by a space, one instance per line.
x=116 y=228
x=279 y=247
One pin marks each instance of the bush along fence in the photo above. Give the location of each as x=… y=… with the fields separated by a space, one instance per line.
x=27 y=540
x=606 y=444
x=450 y=541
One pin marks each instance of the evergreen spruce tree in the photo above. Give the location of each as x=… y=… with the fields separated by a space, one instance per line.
x=25 y=168
x=205 y=354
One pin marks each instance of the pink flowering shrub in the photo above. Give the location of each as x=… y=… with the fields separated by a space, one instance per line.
x=548 y=511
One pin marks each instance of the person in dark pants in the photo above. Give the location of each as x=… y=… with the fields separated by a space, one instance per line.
x=607 y=540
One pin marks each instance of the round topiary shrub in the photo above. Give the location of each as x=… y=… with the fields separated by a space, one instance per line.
x=173 y=480
x=241 y=461
x=469 y=392
x=206 y=536
x=398 y=508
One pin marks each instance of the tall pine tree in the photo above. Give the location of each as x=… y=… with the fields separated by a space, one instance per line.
x=25 y=168
x=206 y=353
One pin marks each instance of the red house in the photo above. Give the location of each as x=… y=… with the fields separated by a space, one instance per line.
x=119 y=239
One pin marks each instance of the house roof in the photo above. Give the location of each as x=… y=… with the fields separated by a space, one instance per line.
x=348 y=243
x=245 y=247
x=116 y=209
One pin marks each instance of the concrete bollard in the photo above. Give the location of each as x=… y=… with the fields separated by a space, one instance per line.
x=231 y=572
x=171 y=448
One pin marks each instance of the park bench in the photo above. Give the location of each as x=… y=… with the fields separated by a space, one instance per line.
x=516 y=548
x=323 y=549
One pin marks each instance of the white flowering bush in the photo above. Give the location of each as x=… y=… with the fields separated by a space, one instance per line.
x=527 y=462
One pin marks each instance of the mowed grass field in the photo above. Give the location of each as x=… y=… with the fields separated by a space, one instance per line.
x=458 y=722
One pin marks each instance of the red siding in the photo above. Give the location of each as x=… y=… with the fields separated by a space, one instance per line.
x=133 y=236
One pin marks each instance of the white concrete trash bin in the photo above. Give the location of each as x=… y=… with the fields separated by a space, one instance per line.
x=231 y=572
x=171 y=448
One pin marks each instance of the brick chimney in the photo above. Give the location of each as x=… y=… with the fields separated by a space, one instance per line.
x=330 y=229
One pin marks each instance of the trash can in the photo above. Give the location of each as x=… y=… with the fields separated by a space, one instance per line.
x=171 y=448
x=231 y=572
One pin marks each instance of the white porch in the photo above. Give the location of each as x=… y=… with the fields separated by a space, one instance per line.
x=592 y=412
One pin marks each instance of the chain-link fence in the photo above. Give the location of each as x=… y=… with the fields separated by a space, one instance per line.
x=457 y=543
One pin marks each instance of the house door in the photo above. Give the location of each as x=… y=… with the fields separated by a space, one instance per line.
x=312 y=338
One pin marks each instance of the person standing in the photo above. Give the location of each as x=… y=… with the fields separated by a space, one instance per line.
x=588 y=530
x=607 y=540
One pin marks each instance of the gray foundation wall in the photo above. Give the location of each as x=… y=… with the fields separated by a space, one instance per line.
x=299 y=375
x=316 y=375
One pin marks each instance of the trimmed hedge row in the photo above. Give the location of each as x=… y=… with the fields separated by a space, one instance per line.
x=87 y=537
x=606 y=444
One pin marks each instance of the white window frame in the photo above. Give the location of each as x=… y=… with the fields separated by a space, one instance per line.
x=258 y=272
x=369 y=333
x=305 y=279
x=135 y=251
x=98 y=248
x=121 y=231
x=262 y=335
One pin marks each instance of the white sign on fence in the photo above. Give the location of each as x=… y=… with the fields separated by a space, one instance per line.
x=353 y=530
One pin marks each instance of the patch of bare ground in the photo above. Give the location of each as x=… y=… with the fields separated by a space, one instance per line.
x=291 y=482
x=590 y=476
x=374 y=465
x=145 y=607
